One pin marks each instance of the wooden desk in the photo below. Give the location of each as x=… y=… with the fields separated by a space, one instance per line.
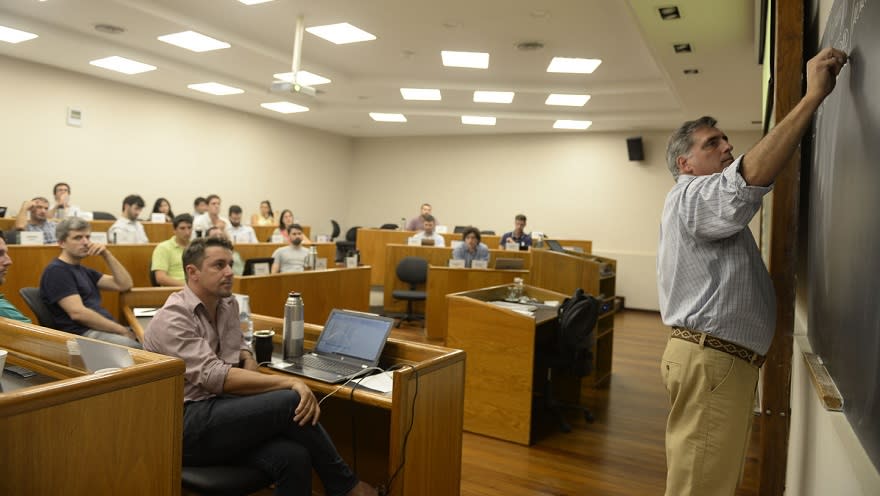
x=371 y=245
x=435 y=256
x=158 y=232
x=83 y=434
x=501 y=379
x=444 y=280
x=433 y=389
x=322 y=291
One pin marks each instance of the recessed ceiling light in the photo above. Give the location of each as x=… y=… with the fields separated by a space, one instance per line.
x=380 y=117
x=682 y=48
x=567 y=100
x=669 y=13
x=493 y=96
x=253 y=2
x=477 y=120
x=304 y=78
x=691 y=71
x=567 y=124
x=10 y=35
x=341 y=33
x=215 y=88
x=573 y=65
x=420 y=94
x=123 y=65
x=284 y=107
x=197 y=42
x=472 y=60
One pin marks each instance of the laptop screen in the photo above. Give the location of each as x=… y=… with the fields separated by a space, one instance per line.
x=354 y=335
x=554 y=245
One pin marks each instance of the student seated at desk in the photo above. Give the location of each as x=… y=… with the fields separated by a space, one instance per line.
x=7 y=309
x=518 y=235
x=72 y=292
x=38 y=208
x=162 y=206
x=232 y=413
x=427 y=232
x=471 y=249
x=63 y=208
x=294 y=257
x=128 y=229
x=166 y=263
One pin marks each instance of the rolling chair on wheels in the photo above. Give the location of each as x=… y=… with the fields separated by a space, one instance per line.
x=413 y=271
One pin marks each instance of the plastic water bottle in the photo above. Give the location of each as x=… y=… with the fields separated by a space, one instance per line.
x=403 y=223
x=518 y=287
x=247 y=324
x=294 y=322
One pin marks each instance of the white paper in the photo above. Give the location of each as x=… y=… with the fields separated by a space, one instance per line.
x=413 y=241
x=456 y=264
x=480 y=264
x=101 y=237
x=97 y=355
x=157 y=217
x=277 y=238
x=30 y=238
x=351 y=262
x=320 y=264
x=378 y=382
x=144 y=312
x=262 y=269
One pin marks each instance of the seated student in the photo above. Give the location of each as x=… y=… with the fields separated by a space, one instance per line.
x=233 y=414
x=284 y=223
x=266 y=217
x=518 y=236
x=38 y=208
x=237 y=262
x=415 y=224
x=293 y=257
x=72 y=292
x=167 y=264
x=428 y=233
x=7 y=309
x=210 y=218
x=471 y=249
x=237 y=232
x=162 y=206
x=200 y=206
x=128 y=229
x=62 y=207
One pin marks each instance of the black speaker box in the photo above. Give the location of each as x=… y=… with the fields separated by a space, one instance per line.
x=634 y=148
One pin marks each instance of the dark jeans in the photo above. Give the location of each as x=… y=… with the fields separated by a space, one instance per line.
x=259 y=431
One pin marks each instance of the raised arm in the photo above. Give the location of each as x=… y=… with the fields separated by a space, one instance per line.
x=21 y=219
x=765 y=161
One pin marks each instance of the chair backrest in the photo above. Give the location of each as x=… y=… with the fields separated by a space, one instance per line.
x=103 y=216
x=31 y=296
x=413 y=271
x=488 y=231
x=251 y=264
x=153 y=280
x=352 y=234
x=577 y=317
x=459 y=229
x=392 y=227
x=336 y=230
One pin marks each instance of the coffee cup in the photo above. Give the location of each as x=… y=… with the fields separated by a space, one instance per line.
x=263 y=345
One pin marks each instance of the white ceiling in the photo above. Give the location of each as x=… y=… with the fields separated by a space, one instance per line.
x=639 y=85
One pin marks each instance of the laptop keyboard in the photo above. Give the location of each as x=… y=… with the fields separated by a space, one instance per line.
x=328 y=366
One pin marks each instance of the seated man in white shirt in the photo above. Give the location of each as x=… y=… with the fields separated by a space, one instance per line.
x=427 y=236
x=294 y=257
x=63 y=207
x=236 y=231
x=209 y=219
x=128 y=229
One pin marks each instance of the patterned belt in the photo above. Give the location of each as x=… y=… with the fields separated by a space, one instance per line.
x=694 y=336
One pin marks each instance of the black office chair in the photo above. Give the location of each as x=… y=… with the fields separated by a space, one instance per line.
x=31 y=296
x=571 y=352
x=489 y=232
x=392 y=227
x=251 y=264
x=221 y=480
x=413 y=271
x=349 y=245
x=103 y=216
x=336 y=230
x=459 y=229
x=153 y=280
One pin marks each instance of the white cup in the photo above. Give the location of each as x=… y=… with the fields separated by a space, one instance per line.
x=3 y=354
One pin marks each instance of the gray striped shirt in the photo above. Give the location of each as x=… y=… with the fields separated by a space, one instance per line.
x=710 y=275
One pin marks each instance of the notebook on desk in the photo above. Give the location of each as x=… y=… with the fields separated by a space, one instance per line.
x=350 y=343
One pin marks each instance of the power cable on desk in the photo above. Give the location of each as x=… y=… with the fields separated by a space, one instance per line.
x=412 y=419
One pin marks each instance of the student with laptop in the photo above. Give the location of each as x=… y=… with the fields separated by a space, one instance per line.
x=518 y=236
x=427 y=236
x=471 y=249
x=232 y=413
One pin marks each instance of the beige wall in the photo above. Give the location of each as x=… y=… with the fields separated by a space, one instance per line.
x=570 y=185
x=139 y=141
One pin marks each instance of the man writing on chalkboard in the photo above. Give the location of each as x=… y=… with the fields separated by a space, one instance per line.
x=715 y=292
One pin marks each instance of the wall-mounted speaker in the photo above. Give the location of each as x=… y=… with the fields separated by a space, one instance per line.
x=634 y=148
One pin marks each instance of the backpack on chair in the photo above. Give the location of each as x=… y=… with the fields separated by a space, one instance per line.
x=577 y=317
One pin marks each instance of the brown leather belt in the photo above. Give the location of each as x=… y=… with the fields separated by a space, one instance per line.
x=695 y=336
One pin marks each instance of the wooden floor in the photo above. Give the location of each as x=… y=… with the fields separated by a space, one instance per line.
x=620 y=454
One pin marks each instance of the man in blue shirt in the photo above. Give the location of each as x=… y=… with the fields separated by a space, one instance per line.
x=518 y=235
x=38 y=221
x=471 y=248
x=7 y=309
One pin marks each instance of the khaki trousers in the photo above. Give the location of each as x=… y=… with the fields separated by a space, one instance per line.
x=707 y=432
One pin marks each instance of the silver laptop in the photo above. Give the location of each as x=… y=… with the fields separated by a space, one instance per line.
x=350 y=343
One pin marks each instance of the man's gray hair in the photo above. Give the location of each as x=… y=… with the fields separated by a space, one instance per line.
x=71 y=224
x=681 y=141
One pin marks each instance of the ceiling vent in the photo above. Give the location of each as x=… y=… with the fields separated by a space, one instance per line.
x=669 y=13
x=529 y=46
